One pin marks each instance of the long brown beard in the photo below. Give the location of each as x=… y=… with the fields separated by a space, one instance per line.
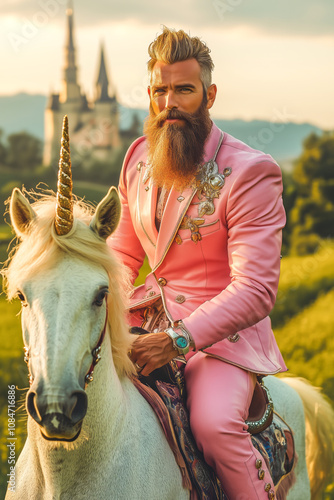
x=175 y=151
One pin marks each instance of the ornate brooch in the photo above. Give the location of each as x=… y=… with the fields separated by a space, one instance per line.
x=209 y=183
x=193 y=224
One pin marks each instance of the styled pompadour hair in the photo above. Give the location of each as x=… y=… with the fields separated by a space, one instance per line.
x=172 y=46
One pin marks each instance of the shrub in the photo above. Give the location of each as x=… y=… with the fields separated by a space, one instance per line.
x=305 y=244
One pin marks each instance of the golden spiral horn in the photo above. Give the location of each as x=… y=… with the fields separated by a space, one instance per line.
x=64 y=207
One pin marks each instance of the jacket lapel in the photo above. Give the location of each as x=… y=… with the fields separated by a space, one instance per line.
x=146 y=205
x=212 y=143
x=176 y=207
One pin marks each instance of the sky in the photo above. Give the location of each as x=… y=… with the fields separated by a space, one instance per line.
x=273 y=60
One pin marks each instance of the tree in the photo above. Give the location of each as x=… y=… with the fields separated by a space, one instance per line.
x=289 y=198
x=24 y=151
x=3 y=151
x=312 y=215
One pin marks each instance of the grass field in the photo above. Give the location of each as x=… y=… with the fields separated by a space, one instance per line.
x=11 y=343
x=307 y=343
x=303 y=321
x=302 y=280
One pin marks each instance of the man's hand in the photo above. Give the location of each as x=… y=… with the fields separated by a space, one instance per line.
x=152 y=351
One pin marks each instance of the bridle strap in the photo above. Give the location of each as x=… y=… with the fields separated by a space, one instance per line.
x=96 y=351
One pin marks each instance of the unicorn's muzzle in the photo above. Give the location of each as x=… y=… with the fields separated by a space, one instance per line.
x=59 y=417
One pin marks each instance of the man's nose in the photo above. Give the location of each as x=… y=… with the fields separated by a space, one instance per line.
x=171 y=101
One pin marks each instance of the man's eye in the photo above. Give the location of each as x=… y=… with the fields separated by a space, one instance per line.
x=158 y=91
x=186 y=90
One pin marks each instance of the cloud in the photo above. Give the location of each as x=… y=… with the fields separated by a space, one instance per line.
x=297 y=17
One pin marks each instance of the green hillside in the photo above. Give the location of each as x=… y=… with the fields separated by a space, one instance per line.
x=302 y=279
x=307 y=343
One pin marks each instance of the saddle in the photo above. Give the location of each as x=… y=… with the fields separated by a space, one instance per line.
x=164 y=389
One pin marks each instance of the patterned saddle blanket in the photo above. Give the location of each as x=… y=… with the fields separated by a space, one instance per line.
x=274 y=443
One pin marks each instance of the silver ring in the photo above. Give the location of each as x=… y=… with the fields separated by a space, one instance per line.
x=139 y=368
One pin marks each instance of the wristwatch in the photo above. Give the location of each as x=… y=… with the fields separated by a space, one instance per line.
x=180 y=342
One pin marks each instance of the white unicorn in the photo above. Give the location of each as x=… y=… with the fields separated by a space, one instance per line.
x=104 y=441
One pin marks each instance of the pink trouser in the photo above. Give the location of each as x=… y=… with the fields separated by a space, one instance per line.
x=219 y=395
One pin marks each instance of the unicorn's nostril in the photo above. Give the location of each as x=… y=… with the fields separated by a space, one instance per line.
x=35 y=411
x=79 y=408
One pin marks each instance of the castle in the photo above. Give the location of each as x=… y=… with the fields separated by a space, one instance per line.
x=94 y=126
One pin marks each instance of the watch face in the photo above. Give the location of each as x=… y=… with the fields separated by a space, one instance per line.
x=181 y=342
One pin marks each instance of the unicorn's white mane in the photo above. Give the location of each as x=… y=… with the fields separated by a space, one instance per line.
x=41 y=249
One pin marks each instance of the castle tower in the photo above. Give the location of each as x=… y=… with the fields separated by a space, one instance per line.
x=102 y=83
x=70 y=92
x=106 y=111
x=94 y=127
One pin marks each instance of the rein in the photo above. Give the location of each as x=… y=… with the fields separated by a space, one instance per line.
x=95 y=353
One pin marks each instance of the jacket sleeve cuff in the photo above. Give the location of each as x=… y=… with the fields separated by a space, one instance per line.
x=182 y=326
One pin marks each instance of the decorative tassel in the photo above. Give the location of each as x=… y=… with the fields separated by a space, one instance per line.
x=287 y=482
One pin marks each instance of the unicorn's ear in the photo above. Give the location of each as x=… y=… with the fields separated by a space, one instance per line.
x=21 y=213
x=107 y=214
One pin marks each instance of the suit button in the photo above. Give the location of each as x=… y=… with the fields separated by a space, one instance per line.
x=233 y=338
x=162 y=281
x=180 y=299
x=151 y=293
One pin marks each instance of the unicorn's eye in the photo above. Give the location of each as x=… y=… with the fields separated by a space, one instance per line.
x=21 y=297
x=100 y=297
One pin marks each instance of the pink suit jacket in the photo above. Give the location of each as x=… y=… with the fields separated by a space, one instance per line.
x=223 y=281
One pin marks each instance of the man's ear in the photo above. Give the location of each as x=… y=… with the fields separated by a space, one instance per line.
x=211 y=95
x=149 y=91
x=107 y=215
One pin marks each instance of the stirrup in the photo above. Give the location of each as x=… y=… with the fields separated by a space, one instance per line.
x=261 y=409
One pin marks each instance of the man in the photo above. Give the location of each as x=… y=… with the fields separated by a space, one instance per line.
x=207 y=211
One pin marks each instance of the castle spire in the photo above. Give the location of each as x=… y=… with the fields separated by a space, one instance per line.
x=70 y=67
x=102 y=83
x=71 y=89
x=70 y=43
